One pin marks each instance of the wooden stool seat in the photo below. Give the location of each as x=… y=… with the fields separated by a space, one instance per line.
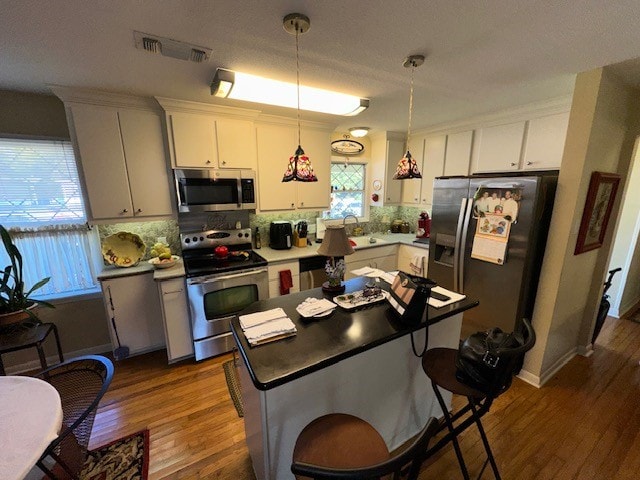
x=339 y=440
x=440 y=366
x=18 y=337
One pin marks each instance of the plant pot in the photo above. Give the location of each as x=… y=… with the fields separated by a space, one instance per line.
x=16 y=317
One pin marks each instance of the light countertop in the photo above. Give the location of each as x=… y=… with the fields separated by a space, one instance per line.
x=143 y=267
x=295 y=253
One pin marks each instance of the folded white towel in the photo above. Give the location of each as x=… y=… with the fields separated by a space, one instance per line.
x=416 y=264
x=453 y=297
x=274 y=328
x=258 y=318
x=315 y=306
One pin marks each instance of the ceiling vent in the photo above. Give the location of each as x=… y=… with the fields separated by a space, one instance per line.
x=171 y=48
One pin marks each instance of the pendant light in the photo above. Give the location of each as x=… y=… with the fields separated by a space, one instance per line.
x=407 y=166
x=299 y=167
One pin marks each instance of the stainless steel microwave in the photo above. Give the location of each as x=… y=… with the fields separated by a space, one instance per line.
x=212 y=190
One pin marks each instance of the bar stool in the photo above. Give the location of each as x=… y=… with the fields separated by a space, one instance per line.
x=19 y=337
x=440 y=366
x=341 y=446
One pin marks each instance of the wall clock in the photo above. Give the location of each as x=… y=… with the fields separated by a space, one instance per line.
x=346 y=147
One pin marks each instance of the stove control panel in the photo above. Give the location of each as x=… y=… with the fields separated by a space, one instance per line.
x=213 y=238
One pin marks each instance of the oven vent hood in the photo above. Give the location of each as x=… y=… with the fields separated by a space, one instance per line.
x=171 y=48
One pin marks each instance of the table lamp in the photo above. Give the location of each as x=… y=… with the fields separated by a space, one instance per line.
x=335 y=244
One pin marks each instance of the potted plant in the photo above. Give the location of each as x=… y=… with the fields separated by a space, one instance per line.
x=16 y=305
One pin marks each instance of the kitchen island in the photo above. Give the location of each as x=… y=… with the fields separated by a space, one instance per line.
x=358 y=362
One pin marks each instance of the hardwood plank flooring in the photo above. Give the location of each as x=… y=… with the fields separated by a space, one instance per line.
x=584 y=424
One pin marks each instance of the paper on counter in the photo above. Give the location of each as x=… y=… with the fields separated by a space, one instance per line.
x=389 y=277
x=368 y=272
x=315 y=306
x=454 y=297
x=258 y=318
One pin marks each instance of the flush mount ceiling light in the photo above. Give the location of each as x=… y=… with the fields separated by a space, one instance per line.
x=407 y=166
x=171 y=48
x=299 y=167
x=359 y=131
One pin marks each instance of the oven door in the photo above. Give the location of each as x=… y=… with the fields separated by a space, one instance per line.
x=215 y=299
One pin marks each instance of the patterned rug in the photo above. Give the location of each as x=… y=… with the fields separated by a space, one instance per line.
x=124 y=459
x=230 y=374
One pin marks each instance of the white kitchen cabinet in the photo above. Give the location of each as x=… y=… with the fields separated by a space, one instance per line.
x=544 y=145
x=383 y=257
x=175 y=316
x=412 y=187
x=206 y=141
x=122 y=159
x=276 y=143
x=406 y=254
x=458 y=155
x=498 y=148
x=132 y=303
x=432 y=166
x=274 y=269
x=386 y=152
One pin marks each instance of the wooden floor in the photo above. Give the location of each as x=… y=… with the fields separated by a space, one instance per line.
x=584 y=424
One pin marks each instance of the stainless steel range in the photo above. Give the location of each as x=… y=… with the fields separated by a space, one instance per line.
x=220 y=283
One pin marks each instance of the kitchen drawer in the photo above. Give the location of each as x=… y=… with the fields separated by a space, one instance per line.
x=371 y=253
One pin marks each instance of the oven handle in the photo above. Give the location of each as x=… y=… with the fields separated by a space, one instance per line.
x=227 y=277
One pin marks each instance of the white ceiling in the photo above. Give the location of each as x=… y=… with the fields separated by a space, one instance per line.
x=482 y=56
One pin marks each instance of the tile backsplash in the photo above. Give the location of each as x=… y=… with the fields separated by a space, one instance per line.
x=148 y=231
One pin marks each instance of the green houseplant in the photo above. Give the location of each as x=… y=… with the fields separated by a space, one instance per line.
x=16 y=304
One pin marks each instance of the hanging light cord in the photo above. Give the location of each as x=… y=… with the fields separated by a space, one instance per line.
x=298 y=80
x=413 y=67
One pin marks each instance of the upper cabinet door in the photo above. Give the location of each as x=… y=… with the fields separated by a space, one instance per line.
x=146 y=163
x=458 y=156
x=317 y=195
x=275 y=145
x=498 y=148
x=102 y=160
x=545 y=142
x=432 y=166
x=236 y=143
x=412 y=186
x=194 y=140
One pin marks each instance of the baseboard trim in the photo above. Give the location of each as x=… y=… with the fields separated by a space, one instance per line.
x=630 y=311
x=530 y=378
x=539 y=381
x=53 y=359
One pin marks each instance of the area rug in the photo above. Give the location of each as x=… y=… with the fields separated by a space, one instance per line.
x=124 y=459
x=233 y=385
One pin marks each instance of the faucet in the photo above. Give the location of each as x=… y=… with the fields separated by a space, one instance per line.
x=344 y=222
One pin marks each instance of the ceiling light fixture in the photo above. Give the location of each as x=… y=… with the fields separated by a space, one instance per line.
x=299 y=167
x=252 y=88
x=407 y=166
x=359 y=131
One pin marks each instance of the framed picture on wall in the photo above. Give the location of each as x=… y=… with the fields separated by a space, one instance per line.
x=597 y=210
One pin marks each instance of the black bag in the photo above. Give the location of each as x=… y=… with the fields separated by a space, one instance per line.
x=409 y=295
x=478 y=362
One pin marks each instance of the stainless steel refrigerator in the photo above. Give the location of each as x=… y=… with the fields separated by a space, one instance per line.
x=507 y=218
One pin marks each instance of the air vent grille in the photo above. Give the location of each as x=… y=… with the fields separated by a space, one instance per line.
x=171 y=48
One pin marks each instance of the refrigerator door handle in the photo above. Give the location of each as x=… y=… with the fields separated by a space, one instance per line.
x=463 y=243
x=456 y=256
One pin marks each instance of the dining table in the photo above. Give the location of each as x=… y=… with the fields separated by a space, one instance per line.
x=30 y=418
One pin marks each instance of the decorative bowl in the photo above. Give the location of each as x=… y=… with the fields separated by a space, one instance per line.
x=165 y=262
x=123 y=249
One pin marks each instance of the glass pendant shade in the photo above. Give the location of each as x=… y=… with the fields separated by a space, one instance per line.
x=299 y=168
x=407 y=168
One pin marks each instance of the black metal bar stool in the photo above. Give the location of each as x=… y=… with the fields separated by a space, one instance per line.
x=19 y=337
x=440 y=366
x=341 y=446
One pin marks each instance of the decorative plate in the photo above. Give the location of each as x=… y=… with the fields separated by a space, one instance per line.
x=123 y=249
x=165 y=262
x=347 y=147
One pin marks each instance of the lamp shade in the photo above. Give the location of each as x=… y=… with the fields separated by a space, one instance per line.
x=335 y=242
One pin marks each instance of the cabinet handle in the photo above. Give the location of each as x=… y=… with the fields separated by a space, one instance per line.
x=208 y=162
x=172 y=291
x=388 y=198
x=529 y=163
x=124 y=210
x=224 y=162
x=302 y=204
x=513 y=164
x=415 y=199
x=139 y=210
x=293 y=205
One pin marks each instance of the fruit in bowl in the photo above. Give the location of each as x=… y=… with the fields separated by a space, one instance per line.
x=164 y=262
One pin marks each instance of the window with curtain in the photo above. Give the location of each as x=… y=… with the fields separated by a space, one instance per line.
x=347 y=190
x=42 y=208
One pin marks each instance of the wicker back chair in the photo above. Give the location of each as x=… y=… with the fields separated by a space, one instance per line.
x=81 y=383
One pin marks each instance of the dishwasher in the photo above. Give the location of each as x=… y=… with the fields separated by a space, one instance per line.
x=312 y=273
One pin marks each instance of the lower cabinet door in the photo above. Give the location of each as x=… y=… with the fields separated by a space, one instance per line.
x=175 y=313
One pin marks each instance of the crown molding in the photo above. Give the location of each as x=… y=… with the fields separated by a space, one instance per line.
x=171 y=105
x=103 y=98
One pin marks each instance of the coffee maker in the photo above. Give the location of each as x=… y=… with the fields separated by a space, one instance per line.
x=424 y=226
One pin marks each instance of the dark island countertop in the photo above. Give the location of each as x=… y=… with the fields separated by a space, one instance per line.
x=325 y=341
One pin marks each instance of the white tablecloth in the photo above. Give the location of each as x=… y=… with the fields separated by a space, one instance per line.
x=30 y=418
